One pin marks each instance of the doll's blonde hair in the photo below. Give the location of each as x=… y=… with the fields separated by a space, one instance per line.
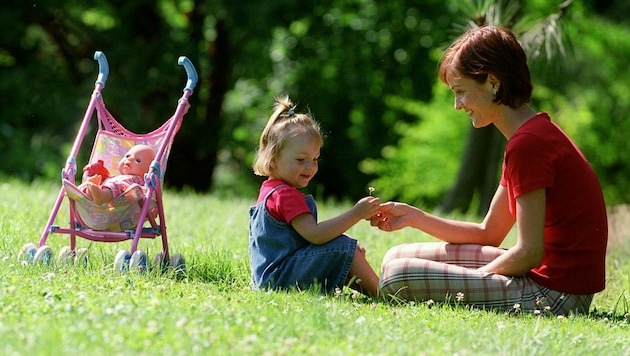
x=283 y=125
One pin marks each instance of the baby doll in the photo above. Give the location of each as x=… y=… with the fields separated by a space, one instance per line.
x=132 y=168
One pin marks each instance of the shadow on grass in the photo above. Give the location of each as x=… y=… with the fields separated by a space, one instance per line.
x=619 y=313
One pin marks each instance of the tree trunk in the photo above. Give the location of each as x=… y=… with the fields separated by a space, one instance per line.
x=478 y=173
x=194 y=156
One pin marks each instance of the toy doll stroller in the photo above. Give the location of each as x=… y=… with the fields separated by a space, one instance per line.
x=138 y=212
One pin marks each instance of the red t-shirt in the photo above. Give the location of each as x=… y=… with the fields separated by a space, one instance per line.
x=285 y=203
x=540 y=155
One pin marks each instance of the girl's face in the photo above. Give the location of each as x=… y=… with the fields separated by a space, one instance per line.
x=296 y=163
x=136 y=161
x=474 y=98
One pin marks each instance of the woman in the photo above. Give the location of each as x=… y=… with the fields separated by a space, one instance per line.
x=547 y=188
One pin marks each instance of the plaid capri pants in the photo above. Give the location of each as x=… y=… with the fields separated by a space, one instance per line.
x=445 y=272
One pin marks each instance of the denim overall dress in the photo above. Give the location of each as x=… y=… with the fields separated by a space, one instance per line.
x=280 y=258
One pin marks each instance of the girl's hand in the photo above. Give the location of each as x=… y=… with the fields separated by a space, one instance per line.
x=367 y=207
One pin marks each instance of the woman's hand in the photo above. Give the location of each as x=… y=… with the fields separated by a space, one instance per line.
x=391 y=216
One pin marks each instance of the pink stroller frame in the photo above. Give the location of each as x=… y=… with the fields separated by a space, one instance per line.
x=125 y=217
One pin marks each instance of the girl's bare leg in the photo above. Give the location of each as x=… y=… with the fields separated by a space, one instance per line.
x=362 y=275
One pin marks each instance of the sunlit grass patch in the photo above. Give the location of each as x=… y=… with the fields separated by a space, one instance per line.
x=211 y=308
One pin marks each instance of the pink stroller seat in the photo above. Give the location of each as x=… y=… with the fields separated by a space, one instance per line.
x=121 y=214
x=111 y=144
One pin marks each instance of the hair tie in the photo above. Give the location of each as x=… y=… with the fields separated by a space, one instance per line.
x=291 y=112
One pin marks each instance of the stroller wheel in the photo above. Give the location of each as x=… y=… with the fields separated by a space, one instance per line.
x=27 y=253
x=81 y=257
x=43 y=255
x=65 y=256
x=138 y=261
x=158 y=262
x=178 y=264
x=121 y=262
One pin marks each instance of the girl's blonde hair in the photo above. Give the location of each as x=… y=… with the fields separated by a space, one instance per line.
x=283 y=125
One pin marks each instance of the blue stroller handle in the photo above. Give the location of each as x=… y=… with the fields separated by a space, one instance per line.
x=103 y=67
x=190 y=72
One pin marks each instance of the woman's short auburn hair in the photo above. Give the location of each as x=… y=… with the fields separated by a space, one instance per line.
x=490 y=50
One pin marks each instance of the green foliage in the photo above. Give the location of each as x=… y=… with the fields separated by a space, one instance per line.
x=374 y=51
x=422 y=165
x=606 y=94
x=48 y=73
x=340 y=60
x=614 y=10
x=354 y=64
x=587 y=104
x=96 y=310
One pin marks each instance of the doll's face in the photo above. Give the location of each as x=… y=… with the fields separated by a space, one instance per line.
x=137 y=160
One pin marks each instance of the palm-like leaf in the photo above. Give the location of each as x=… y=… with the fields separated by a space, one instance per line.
x=545 y=37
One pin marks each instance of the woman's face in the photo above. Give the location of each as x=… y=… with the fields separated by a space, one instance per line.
x=474 y=98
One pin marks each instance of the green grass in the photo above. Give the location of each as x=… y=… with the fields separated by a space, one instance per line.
x=97 y=310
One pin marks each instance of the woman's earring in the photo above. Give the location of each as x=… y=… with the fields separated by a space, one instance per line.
x=494 y=91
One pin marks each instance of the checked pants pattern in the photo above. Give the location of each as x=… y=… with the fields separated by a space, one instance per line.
x=444 y=272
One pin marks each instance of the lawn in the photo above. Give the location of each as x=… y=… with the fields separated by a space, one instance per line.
x=97 y=310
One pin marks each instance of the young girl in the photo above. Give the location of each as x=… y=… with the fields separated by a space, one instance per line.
x=288 y=248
